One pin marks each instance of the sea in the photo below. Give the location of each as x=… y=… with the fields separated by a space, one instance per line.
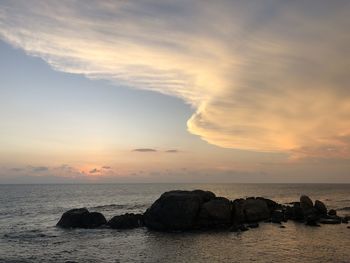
x=29 y=213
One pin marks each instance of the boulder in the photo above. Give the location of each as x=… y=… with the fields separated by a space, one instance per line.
x=272 y=205
x=126 y=221
x=255 y=210
x=306 y=203
x=174 y=211
x=204 y=195
x=81 y=218
x=320 y=207
x=215 y=213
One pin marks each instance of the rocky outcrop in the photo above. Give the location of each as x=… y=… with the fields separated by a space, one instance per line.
x=126 y=221
x=81 y=218
x=202 y=210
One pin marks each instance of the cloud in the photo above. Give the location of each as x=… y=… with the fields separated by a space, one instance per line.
x=144 y=150
x=266 y=76
x=94 y=171
x=172 y=151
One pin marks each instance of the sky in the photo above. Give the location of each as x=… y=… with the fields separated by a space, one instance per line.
x=174 y=91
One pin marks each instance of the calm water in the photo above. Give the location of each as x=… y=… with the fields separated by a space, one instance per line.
x=28 y=214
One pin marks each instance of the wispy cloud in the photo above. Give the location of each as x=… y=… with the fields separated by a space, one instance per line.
x=172 y=151
x=260 y=75
x=144 y=150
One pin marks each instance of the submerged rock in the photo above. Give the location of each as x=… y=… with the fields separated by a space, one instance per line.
x=81 y=218
x=126 y=221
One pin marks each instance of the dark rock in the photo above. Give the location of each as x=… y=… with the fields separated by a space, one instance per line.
x=126 y=221
x=345 y=220
x=320 y=207
x=272 y=205
x=332 y=212
x=174 y=211
x=237 y=211
x=298 y=212
x=331 y=221
x=243 y=228
x=307 y=206
x=312 y=220
x=253 y=225
x=255 y=210
x=215 y=213
x=204 y=195
x=277 y=217
x=282 y=226
x=81 y=218
x=348 y=227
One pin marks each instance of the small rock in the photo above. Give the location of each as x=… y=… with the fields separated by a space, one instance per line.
x=126 y=221
x=348 y=227
x=81 y=218
x=282 y=226
x=330 y=221
x=332 y=212
x=243 y=228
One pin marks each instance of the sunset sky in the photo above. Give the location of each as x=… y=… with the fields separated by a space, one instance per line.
x=174 y=91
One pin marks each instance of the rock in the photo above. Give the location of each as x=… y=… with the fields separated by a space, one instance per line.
x=81 y=218
x=348 y=227
x=174 y=211
x=331 y=221
x=237 y=211
x=306 y=203
x=311 y=220
x=255 y=210
x=243 y=228
x=320 y=207
x=332 y=212
x=253 y=225
x=204 y=195
x=282 y=226
x=344 y=220
x=215 y=213
x=277 y=217
x=272 y=205
x=126 y=221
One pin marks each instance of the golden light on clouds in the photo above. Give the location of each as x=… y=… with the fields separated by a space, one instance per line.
x=270 y=77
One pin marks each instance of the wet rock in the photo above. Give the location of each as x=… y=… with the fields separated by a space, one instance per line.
x=126 y=221
x=277 y=216
x=344 y=220
x=215 y=213
x=320 y=207
x=332 y=212
x=243 y=228
x=174 y=211
x=255 y=210
x=312 y=220
x=272 y=205
x=81 y=218
x=282 y=226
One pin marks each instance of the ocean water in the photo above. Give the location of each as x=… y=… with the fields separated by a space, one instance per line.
x=28 y=214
